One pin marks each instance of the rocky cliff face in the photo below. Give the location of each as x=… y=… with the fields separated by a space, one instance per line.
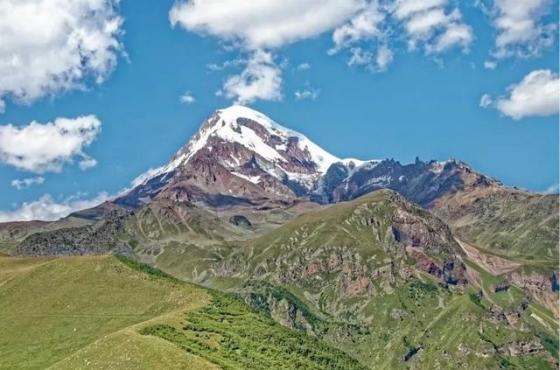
x=420 y=182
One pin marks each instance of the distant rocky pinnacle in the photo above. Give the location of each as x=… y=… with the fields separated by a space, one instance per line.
x=240 y=156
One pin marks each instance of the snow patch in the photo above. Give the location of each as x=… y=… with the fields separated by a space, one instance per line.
x=322 y=158
x=253 y=179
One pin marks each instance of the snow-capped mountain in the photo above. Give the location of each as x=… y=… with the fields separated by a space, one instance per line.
x=240 y=155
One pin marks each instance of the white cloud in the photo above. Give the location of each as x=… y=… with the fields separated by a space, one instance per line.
x=431 y=24
x=384 y=57
x=263 y=23
x=363 y=26
x=46 y=147
x=486 y=101
x=227 y=64
x=87 y=162
x=538 y=94
x=258 y=27
x=377 y=62
x=521 y=30
x=303 y=67
x=260 y=79
x=369 y=35
x=47 y=208
x=51 y=46
x=187 y=98
x=21 y=184
x=490 y=65
x=365 y=37
x=307 y=93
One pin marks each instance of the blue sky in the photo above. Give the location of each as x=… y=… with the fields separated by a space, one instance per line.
x=423 y=103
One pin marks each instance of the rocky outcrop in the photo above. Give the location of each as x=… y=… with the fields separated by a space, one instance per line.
x=521 y=348
x=541 y=286
x=241 y=221
x=420 y=182
x=98 y=238
x=501 y=287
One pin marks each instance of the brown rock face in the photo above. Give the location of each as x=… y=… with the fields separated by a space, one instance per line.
x=543 y=287
x=521 y=348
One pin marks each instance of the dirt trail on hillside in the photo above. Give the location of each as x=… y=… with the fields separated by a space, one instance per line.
x=493 y=264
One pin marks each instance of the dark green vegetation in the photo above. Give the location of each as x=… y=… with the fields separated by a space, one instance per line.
x=145 y=268
x=227 y=333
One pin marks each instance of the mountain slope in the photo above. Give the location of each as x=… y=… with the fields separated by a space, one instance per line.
x=240 y=157
x=382 y=279
x=54 y=307
x=241 y=163
x=509 y=222
x=97 y=312
x=378 y=229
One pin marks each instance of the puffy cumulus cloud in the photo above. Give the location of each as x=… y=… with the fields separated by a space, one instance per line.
x=21 y=184
x=262 y=24
x=520 y=26
x=364 y=29
x=258 y=27
x=538 y=94
x=363 y=26
x=430 y=23
x=260 y=79
x=47 y=208
x=46 y=147
x=49 y=46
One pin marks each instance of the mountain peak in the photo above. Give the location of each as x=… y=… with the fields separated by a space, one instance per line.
x=238 y=125
x=234 y=135
x=231 y=114
x=240 y=153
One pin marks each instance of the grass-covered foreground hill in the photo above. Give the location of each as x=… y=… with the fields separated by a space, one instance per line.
x=106 y=313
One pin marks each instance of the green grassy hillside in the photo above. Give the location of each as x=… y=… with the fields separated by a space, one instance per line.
x=98 y=312
x=505 y=221
x=368 y=276
x=53 y=308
